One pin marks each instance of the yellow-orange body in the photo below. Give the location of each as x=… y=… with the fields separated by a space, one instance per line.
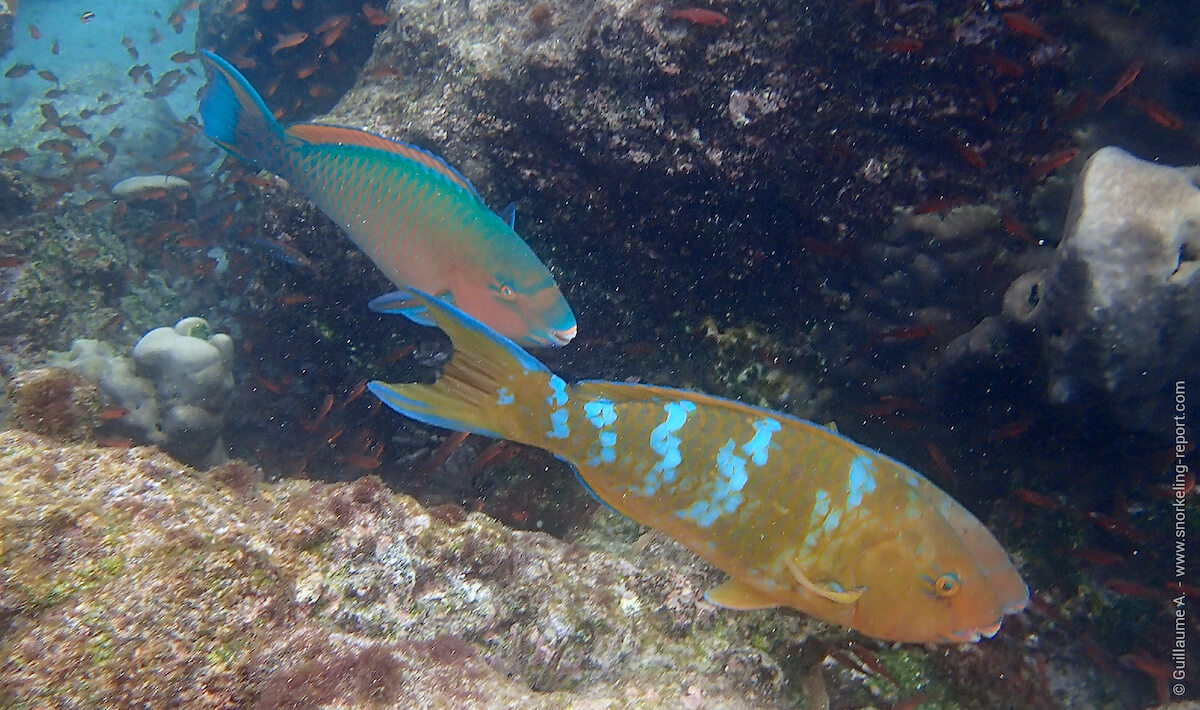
x=796 y=514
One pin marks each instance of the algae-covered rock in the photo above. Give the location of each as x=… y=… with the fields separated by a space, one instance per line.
x=55 y=402
x=129 y=580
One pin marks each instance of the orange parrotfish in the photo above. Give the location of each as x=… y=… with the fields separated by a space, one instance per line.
x=421 y=222
x=797 y=515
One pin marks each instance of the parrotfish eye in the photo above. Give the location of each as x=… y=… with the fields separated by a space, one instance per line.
x=946 y=585
x=506 y=292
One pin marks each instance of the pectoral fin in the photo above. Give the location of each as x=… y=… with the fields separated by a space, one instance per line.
x=824 y=590
x=733 y=594
x=402 y=303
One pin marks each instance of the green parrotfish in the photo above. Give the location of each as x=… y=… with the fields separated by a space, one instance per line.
x=796 y=514
x=418 y=219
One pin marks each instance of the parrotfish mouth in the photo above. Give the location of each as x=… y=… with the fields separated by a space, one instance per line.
x=564 y=336
x=973 y=635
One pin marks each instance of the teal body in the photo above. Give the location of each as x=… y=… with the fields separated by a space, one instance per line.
x=419 y=220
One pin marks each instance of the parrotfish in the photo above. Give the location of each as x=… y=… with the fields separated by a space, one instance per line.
x=796 y=514
x=421 y=222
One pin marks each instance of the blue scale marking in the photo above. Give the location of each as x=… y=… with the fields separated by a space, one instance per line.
x=600 y=413
x=666 y=445
x=758 y=448
x=861 y=480
x=558 y=392
x=558 y=424
x=504 y=397
x=726 y=495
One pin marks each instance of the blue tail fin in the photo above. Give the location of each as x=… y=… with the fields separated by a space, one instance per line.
x=237 y=119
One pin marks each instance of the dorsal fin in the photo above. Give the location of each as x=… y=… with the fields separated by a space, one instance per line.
x=509 y=215
x=317 y=134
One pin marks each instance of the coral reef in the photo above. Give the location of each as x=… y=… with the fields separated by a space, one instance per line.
x=1115 y=311
x=176 y=389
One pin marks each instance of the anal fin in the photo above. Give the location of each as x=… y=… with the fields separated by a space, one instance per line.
x=824 y=590
x=733 y=594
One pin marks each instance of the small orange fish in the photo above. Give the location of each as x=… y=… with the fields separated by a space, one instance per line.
x=332 y=36
x=287 y=41
x=698 y=16
x=269 y=5
x=972 y=156
x=1133 y=589
x=362 y=461
x=1051 y=163
x=294 y=299
x=306 y=71
x=238 y=7
x=1041 y=500
x=374 y=15
x=75 y=132
x=1010 y=430
x=332 y=23
x=1123 y=81
x=399 y=354
x=155 y=36
x=55 y=48
x=14 y=155
x=1013 y=227
x=322 y=412
x=355 y=393
x=58 y=145
x=937 y=205
x=34 y=32
x=899 y=45
x=1022 y=25
x=1158 y=113
x=183 y=57
x=110 y=413
x=1003 y=66
x=48 y=75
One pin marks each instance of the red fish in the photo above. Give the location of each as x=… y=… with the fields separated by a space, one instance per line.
x=374 y=15
x=1013 y=227
x=899 y=45
x=295 y=39
x=1022 y=25
x=1123 y=82
x=698 y=16
x=937 y=205
x=1158 y=113
x=1051 y=163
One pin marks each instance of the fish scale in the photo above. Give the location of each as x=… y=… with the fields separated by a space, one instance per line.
x=418 y=219
x=796 y=514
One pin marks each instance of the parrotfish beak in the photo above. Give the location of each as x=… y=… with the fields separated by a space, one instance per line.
x=564 y=336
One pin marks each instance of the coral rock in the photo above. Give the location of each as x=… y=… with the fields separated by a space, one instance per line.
x=1117 y=312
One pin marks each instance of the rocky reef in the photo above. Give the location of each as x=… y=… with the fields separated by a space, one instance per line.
x=129 y=580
